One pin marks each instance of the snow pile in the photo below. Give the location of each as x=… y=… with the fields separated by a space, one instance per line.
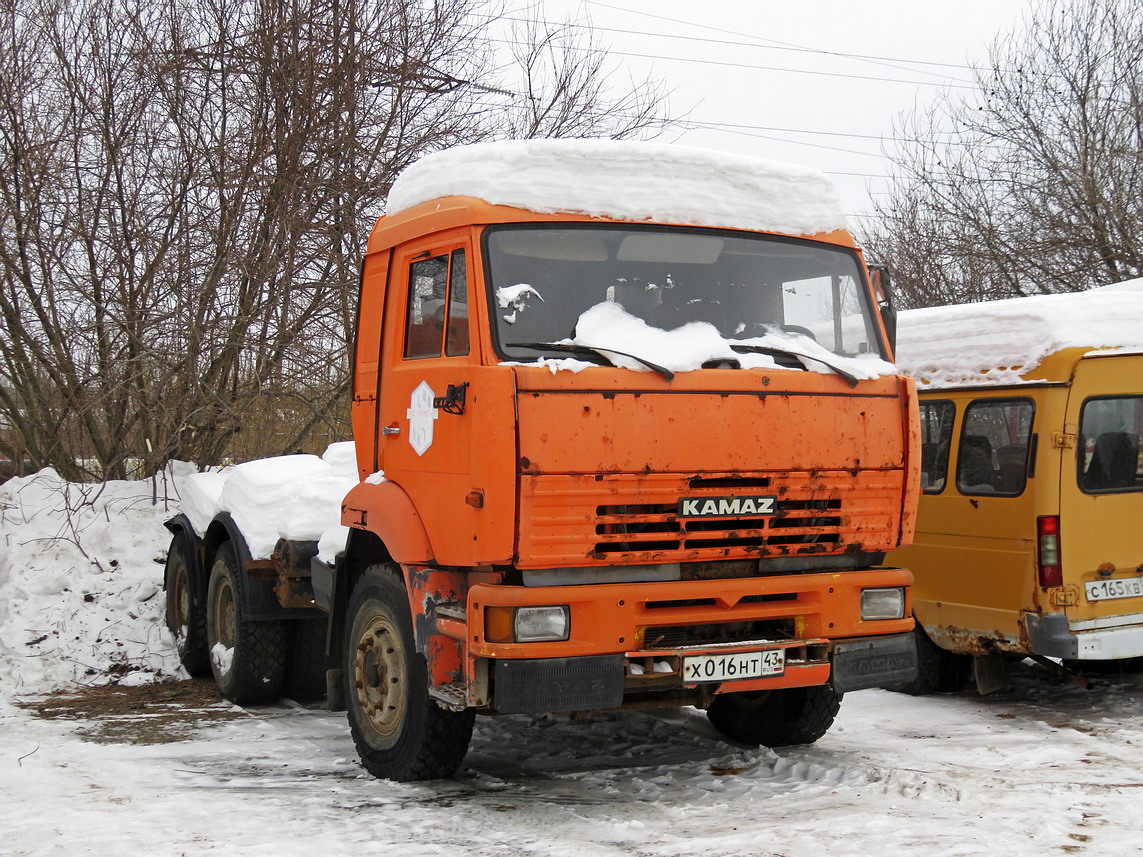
x=290 y=497
x=81 y=566
x=81 y=576
x=631 y=181
x=684 y=349
x=1002 y=342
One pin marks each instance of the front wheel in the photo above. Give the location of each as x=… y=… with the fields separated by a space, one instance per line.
x=248 y=658
x=776 y=718
x=400 y=732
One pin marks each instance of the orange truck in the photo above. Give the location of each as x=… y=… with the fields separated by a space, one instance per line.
x=627 y=436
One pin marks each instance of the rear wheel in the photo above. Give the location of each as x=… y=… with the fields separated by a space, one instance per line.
x=400 y=732
x=776 y=718
x=248 y=658
x=185 y=619
x=938 y=670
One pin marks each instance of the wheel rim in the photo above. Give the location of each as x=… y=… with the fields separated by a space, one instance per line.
x=379 y=676
x=181 y=604
x=224 y=615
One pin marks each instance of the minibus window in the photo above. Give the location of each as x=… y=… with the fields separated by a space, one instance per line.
x=992 y=457
x=1108 y=449
x=936 y=437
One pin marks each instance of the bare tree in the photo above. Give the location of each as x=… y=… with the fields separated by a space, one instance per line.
x=1035 y=184
x=186 y=191
x=565 y=88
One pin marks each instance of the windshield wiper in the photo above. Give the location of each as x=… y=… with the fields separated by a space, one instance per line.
x=781 y=352
x=592 y=351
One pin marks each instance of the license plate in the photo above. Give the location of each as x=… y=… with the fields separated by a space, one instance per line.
x=734 y=666
x=1120 y=587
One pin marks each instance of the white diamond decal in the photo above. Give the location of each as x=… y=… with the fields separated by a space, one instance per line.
x=421 y=414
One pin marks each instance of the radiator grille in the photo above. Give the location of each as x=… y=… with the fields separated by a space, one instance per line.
x=569 y=518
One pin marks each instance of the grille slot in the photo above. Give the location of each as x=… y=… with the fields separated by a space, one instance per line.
x=730 y=482
x=676 y=636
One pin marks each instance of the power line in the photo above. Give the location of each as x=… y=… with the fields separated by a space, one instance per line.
x=774 y=43
x=755 y=67
x=890 y=62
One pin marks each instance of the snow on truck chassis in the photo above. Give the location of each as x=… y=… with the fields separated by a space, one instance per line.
x=626 y=436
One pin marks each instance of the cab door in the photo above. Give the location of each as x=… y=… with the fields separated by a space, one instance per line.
x=426 y=434
x=1101 y=494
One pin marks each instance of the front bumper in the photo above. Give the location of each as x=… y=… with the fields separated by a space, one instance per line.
x=606 y=682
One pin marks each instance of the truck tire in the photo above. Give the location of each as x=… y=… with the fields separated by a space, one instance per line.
x=776 y=718
x=248 y=658
x=938 y=670
x=400 y=732
x=185 y=619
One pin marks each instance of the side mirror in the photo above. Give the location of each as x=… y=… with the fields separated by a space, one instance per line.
x=889 y=319
x=882 y=283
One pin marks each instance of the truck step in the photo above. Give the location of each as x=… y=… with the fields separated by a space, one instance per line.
x=451 y=696
x=452 y=610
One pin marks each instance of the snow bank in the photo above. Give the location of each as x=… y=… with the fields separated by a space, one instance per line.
x=81 y=566
x=81 y=576
x=1002 y=342
x=627 y=180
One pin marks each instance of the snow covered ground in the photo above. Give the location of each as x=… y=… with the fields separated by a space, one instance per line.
x=1043 y=768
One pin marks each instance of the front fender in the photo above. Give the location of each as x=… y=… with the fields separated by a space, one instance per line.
x=385 y=510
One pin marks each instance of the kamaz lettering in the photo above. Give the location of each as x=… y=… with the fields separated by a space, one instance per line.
x=725 y=507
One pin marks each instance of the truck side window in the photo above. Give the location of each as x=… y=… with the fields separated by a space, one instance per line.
x=438 y=298
x=456 y=342
x=936 y=437
x=992 y=457
x=1108 y=448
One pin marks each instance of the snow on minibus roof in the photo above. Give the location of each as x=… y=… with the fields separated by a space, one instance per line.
x=998 y=343
x=627 y=180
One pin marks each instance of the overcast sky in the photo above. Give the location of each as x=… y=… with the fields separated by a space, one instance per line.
x=768 y=78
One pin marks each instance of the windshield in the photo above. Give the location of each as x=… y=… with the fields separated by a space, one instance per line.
x=748 y=287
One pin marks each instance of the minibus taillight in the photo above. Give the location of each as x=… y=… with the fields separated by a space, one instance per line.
x=1048 y=558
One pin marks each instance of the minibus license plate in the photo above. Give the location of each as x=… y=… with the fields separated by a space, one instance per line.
x=1120 y=587
x=734 y=667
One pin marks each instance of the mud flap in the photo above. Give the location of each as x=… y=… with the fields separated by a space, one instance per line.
x=558 y=684
x=873 y=662
x=990 y=672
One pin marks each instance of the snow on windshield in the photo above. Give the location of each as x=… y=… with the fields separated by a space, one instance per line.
x=1000 y=342
x=608 y=325
x=627 y=180
x=517 y=298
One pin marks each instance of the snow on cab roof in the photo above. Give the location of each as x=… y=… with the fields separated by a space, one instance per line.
x=626 y=180
x=998 y=343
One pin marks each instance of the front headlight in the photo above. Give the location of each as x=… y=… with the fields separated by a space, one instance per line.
x=541 y=624
x=883 y=603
